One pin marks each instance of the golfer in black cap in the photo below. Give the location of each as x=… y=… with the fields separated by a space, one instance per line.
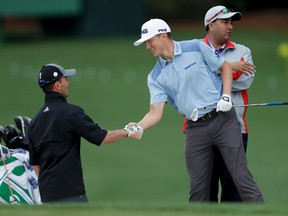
x=54 y=139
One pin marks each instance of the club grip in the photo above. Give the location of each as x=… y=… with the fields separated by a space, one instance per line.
x=277 y=103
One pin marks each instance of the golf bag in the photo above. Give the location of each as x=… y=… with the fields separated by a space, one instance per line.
x=18 y=181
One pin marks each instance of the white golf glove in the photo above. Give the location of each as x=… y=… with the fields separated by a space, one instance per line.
x=134 y=131
x=224 y=104
x=194 y=115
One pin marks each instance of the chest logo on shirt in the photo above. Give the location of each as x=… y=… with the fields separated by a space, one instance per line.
x=46 y=109
x=189 y=65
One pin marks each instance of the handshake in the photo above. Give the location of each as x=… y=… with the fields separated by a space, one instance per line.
x=134 y=131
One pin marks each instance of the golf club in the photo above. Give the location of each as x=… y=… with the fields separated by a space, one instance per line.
x=2 y=131
x=194 y=115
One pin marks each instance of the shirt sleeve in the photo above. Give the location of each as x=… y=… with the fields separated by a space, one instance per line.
x=33 y=157
x=88 y=129
x=157 y=95
x=214 y=62
x=240 y=80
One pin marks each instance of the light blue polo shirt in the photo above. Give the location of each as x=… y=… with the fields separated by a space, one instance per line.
x=189 y=80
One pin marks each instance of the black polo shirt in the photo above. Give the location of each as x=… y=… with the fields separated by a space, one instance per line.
x=55 y=134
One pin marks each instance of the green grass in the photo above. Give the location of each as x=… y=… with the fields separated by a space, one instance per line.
x=147 y=177
x=127 y=209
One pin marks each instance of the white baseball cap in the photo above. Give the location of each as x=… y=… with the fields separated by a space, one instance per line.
x=151 y=28
x=220 y=12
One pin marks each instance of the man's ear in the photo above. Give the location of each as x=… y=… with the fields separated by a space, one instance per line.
x=211 y=27
x=57 y=84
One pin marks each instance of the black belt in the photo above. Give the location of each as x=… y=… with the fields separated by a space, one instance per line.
x=207 y=116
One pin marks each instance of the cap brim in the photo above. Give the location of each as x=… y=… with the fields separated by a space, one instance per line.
x=69 y=72
x=236 y=16
x=142 y=40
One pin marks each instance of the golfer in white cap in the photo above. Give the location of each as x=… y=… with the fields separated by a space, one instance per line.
x=184 y=75
x=219 y=24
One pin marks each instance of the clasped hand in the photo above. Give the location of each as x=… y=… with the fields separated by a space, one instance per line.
x=134 y=130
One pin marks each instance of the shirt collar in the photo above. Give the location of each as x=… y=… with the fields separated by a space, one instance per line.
x=228 y=45
x=52 y=96
x=177 y=51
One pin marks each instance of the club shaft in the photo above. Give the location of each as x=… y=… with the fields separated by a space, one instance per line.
x=262 y=104
x=253 y=105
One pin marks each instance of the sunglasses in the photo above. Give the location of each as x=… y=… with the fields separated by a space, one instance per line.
x=224 y=11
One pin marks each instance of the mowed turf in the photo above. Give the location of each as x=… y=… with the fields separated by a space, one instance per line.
x=111 y=86
x=128 y=209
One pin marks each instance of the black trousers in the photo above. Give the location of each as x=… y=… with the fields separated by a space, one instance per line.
x=75 y=199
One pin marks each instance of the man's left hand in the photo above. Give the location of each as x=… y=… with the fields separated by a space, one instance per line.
x=224 y=104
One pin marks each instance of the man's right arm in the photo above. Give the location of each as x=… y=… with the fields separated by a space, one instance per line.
x=151 y=118
x=115 y=135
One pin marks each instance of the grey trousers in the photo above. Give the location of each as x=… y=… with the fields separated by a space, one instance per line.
x=222 y=131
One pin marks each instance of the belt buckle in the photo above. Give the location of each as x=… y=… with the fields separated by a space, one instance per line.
x=206 y=116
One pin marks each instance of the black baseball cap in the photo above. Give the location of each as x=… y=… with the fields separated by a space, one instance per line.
x=50 y=73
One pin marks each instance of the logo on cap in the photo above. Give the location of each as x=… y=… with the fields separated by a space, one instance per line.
x=162 y=30
x=144 y=31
